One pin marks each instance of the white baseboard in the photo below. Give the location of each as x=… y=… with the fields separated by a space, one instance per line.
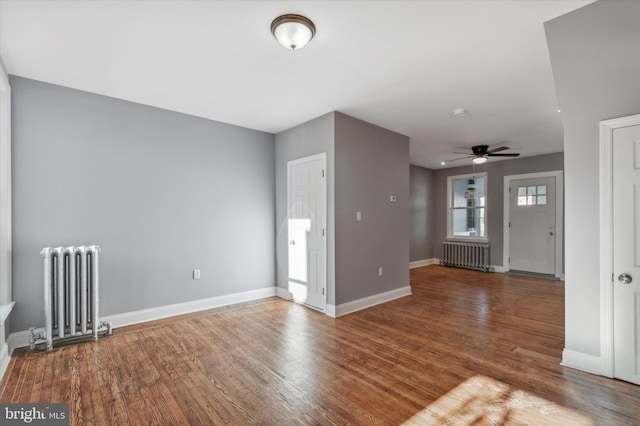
x=367 y=302
x=581 y=361
x=4 y=360
x=498 y=269
x=21 y=338
x=424 y=262
x=330 y=310
x=284 y=293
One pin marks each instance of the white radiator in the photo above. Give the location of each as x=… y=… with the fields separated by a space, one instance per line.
x=465 y=255
x=70 y=294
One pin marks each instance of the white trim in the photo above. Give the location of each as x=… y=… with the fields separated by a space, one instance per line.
x=606 y=237
x=424 y=262
x=331 y=310
x=559 y=175
x=5 y=187
x=5 y=310
x=4 y=360
x=450 y=236
x=323 y=157
x=283 y=293
x=367 y=302
x=498 y=269
x=21 y=338
x=581 y=361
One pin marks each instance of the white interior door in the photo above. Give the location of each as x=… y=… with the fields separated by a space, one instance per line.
x=307 y=231
x=626 y=253
x=532 y=227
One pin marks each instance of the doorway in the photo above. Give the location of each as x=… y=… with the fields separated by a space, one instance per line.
x=533 y=223
x=306 y=230
x=620 y=251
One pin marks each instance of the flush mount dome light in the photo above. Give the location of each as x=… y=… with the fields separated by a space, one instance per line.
x=293 y=31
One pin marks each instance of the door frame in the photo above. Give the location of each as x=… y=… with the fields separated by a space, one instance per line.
x=607 y=128
x=558 y=174
x=322 y=156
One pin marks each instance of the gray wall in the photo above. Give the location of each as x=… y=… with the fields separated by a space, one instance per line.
x=162 y=193
x=422 y=213
x=595 y=56
x=310 y=138
x=496 y=171
x=371 y=164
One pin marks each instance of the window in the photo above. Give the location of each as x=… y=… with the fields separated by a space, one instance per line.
x=467 y=196
x=532 y=195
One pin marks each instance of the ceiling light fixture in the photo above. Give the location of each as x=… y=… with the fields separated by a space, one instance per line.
x=293 y=31
x=479 y=159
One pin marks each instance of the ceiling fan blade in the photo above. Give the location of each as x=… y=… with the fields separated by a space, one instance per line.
x=497 y=149
x=457 y=159
x=503 y=155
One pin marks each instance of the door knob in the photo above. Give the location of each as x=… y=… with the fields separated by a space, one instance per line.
x=625 y=278
x=292 y=242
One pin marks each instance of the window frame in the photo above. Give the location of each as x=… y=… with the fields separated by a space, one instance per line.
x=451 y=208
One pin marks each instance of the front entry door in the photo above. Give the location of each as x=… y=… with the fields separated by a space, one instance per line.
x=307 y=231
x=532 y=225
x=626 y=253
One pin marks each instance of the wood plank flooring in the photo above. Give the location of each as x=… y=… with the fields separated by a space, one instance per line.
x=465 y=348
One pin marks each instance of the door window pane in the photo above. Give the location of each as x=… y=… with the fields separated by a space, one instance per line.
x=532 y=195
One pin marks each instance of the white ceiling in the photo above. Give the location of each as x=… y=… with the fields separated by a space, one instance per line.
x=403 y=65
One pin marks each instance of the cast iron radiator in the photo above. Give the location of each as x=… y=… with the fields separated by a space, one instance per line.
x=465 y=255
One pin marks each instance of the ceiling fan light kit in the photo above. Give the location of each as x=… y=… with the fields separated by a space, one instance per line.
x=293 y=31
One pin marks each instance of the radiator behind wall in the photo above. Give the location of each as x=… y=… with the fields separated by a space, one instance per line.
x=71 y=278
x=465 y=255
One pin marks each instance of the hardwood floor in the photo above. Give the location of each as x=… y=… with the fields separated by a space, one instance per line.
x=465 y=348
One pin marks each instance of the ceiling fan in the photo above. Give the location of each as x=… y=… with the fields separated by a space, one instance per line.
x=480 y=153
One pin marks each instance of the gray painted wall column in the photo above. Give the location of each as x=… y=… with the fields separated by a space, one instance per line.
x=595 y=56
x=366 y=165
x=310 y=138
x=372 y=164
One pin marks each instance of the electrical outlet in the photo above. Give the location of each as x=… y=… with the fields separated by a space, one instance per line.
x=358 y=216
x=380 y=271
x=196 y=274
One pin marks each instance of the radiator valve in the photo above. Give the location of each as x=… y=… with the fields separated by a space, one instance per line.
x=34 y=337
